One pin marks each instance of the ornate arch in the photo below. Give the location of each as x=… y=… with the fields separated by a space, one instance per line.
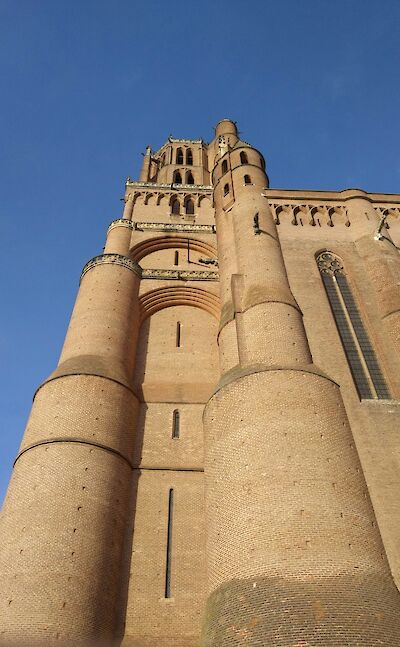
x=161 y=298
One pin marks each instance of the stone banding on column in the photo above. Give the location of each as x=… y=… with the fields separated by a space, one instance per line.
x=113 y=259
x=121 y=222
x=228 y=313
x=80 y=441
x=238 y=372
x=85 y=365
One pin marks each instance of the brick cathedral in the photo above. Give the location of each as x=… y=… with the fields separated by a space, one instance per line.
x=215 y=461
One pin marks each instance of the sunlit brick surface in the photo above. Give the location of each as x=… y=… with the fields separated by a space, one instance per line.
x=130 y=523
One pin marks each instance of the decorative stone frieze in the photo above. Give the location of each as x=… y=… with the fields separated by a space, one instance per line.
x=121 y=222
x=166 y=226
x=184 y=141
x=311 y=214
x=182 y=275
x=114 y=259
x=154 y=185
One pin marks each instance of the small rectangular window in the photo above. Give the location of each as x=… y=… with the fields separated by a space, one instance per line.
x=178 y=334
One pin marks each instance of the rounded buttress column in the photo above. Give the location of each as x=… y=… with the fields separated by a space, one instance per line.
x=119 y=236
x=65 y=516
x=294 y=556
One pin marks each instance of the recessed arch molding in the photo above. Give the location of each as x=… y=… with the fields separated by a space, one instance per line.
x=161 y=298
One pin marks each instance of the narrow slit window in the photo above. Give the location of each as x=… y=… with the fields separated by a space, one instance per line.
x=243 y=158
x=247 y=179
x=224 y=167
x=226 y=189
x=178 y=334
x=175 y=424
x=176 y=258
x=167 y=593
x=361 y=357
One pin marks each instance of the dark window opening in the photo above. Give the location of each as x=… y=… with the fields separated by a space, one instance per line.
x=175 y=424
x=167 y=593
x=176 y=258
x=247 y=179
x=189 y=207
x=177 y=178
x=179 y=156
x=226 y=189
x=189 y=157
x=175 y=207
x=224 y=167
x=178 y=334
x=243 y=158
x=189 y=179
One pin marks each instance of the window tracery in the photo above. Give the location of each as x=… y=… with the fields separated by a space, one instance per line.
x=361 y=357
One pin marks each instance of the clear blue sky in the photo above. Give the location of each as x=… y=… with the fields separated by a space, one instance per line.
x=86 y=84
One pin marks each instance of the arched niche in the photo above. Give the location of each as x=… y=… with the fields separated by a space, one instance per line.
x=159 y=252
x=177 y=356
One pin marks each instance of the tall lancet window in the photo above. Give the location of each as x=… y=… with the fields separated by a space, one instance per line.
x=363 y=363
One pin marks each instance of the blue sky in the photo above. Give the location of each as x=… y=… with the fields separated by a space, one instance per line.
x=86 y=85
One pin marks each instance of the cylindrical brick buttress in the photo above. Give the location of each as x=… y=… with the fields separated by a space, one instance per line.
x=65 y=516
x=294 y=556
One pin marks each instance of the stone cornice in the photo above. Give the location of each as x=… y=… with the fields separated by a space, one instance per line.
x=185 y=141
x=113 y=259
x=331 y=196
x=149 y=273
x=174 y=226
x=121 y=222
x=172 y=187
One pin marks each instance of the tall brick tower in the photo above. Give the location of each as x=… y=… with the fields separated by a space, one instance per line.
x=192 y=475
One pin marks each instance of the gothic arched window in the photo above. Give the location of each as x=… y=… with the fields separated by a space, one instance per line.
x=175 y=207
x=243 y=158
x=177 y=178
x=189 y=157
x=179 y=156
x=189 y=178
x=363 y=363
x=189 y=207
